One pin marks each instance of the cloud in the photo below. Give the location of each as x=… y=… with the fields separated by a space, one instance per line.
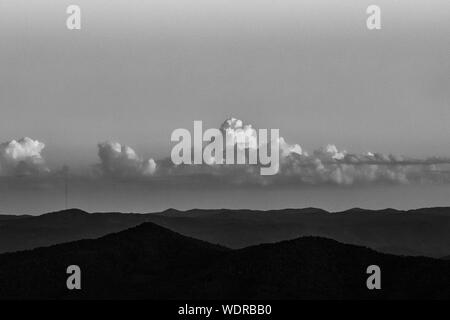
x=236 y=133
x=330 y=152
x=22 y=157
x=122 y=161
x=286 y=149
x=330 y=165
x=326 y=165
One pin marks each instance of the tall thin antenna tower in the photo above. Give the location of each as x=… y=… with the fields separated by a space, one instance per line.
x=66 y=186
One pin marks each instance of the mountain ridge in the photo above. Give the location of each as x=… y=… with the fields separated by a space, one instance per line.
x=151 y=262
x=418 y=232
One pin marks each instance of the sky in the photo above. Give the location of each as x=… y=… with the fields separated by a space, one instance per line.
x=137 y=70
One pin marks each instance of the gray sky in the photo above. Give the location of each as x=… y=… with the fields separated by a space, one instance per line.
x=137 y=70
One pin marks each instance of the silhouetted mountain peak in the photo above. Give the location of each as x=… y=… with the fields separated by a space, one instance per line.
x=171 y=211
x=147 y=227
x=63 y=215
x=149 y=233
x=354 y=210
x=68 y=212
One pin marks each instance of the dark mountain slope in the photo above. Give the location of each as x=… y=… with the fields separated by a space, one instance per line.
x=318 y=268
x=7 y=217
x=151 y=262
x=143 y=259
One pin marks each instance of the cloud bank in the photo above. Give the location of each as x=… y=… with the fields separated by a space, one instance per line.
x=330 y=165
x=327 y=165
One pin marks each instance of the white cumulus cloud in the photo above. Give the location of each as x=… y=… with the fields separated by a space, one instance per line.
x=122 y=161
x=22 y=157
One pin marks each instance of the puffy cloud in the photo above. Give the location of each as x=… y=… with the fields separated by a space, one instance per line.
x=287 y=149
x=122 y=161
x=22 y=157
x=330 y=152
x=245 y=136
x=236 y=133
